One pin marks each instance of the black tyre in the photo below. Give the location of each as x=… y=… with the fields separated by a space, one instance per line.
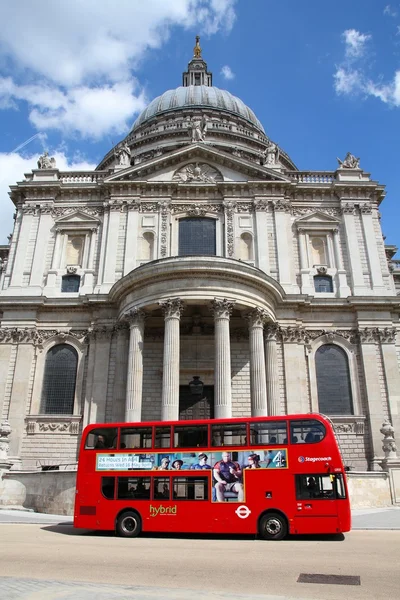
x=273 y=526
x=129 y=524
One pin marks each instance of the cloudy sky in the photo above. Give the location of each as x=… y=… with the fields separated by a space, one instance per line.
x=323 y=78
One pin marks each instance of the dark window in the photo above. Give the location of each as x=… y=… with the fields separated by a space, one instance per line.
x=108 y=487
x=323 y=283
x=229 y=434
x=308 y=431
x=58 y=390
x=333 y=380
x=70 y=283
x=194 y=436
x=134 y=487
x=102 y=438
x=197 y=236
x=320 y=487
x=190 y=488
x=161 y=488
x=135 y=437
x=269 y=432
x=162 y=437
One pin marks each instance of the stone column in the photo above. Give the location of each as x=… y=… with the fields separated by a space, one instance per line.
x=261 y=214
x=121 y=370
x=131 y=238
x=306 y=285
x=222 y=309
x=375 y=268
x=344 y=289
x=295 y=369
x=110 y=259
x=348 y=211
x=258 y=384
x=134 y=383
x=271 y=364
x=172 y=309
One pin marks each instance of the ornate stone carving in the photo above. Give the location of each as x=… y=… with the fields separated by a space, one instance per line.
x=27 y=209
x=388 y=335
x=348 y=209
x=5 y=431
x=270 y=156
x=389 y=444
x=165 y=207
x=356 y=427
x=245 y=207
x=366 y=209
x=272 y=331
x=135 y=316
x=149 y=207
x=221 y=308
x=256 y=317
x=229 y=206
x=350 y=162
x=373 y=335
x=321 y=270
x=197 y=173
x=62 y=211
x=293 y=335
x=196 y=209
x=46 y=209
x=3 y=265
x=43 y=424
x=198 y=128
x=100 y=332
x=72 y=269
x=45 y=162
x=172 y=307
x=261 y=204
x=282 y=206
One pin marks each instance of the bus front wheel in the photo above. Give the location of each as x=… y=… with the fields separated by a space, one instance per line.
x=129 y=524
x=273 y=526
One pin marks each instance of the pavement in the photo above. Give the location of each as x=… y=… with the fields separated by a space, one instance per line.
x=362 y=518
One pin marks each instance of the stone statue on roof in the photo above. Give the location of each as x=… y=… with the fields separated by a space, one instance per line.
x=45 y=162
x=123 y=154
x=198 y=128
x=197 y=48
x=350 y=162
x=270 y=156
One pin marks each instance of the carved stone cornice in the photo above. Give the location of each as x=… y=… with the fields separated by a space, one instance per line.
x=32 y=335
x=52 y=424
x=256 y=317
x=222 y=308
x=293 y=335
x=374 y=335
x=261 y=205
x=63 y=211
x=196 y=209
x=282 y=206
x=29 y=210
x=349 y=424
x=172 y=308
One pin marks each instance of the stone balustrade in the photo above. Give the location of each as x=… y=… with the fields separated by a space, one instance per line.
x=312 y=176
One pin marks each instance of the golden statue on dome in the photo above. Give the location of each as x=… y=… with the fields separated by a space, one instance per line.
x=197 y=48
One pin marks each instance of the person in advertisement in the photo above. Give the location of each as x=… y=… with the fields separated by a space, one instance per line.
x=253 y=461
x=202 y=463
x=228 y=476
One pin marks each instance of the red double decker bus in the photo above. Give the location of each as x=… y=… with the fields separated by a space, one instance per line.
x=270 y=476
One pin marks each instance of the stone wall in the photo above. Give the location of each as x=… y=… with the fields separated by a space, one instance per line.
x=369 y=490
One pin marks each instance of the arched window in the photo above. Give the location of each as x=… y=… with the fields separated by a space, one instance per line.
x=147 y=246
x=246 y=246
x=58 y=390
x=333 y=380
x=323 y=283
x=197 y=236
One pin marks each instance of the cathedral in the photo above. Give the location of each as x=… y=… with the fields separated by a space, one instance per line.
x=196 y=273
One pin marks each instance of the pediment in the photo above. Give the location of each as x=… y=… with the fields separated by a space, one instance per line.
x=317 y=219
x=78 y=219
x=216 y=166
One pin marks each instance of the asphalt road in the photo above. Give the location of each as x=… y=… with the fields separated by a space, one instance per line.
x=76 y=564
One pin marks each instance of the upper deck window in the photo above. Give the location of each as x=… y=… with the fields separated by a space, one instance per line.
x=102 y=438
x=135 y=437
x=191 y=436
x=162 y=437
x=268 y=432
x=229 y=434
x=308 y=431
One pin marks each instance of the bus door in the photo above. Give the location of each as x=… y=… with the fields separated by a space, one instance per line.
x=316 y=503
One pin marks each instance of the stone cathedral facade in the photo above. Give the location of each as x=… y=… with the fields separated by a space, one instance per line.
x=196 y=273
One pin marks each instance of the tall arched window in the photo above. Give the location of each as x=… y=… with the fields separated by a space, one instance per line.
x=246 y=246
x=333 y=380
x=197 y=236
x=58 y=390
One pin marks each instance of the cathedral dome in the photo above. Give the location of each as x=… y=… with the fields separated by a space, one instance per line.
x=197 y=96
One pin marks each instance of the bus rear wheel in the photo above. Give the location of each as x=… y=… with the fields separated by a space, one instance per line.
x=129 y=524
x=273 y=526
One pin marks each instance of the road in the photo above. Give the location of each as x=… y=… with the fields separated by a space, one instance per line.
x=192 y=567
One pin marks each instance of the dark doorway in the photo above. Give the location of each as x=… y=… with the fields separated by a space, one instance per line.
x=195 y=407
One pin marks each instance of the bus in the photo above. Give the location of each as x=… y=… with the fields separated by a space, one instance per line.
x=268 y=476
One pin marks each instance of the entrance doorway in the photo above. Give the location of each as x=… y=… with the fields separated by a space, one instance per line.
x=196 y=407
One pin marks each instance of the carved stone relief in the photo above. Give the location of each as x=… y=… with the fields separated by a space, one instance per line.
x=197 y=173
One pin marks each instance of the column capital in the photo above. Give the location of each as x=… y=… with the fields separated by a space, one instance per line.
x=172 y=307
x=366 y=209
x=256 y=317
x=348 y=209
x=222 y=308
x=134 y=317
x=271 y=332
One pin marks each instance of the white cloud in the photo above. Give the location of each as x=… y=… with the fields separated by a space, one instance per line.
x=389 y=11
x=347 y=81
x=80 y=55
x=227 y=72
x=355 y=43
x=12 y=169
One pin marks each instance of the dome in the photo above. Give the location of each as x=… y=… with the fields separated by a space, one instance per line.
x=197 y=96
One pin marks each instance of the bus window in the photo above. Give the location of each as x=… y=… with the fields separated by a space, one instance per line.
x=268 y=432
x=321 y=487
x=308 y=431
x=133 y=487
x=162 y=437
x=135 y=437
x=190 y=488
x=108 y=487
x=101 y=438
x=194 y=436
x=161 y=488
x=229 y=434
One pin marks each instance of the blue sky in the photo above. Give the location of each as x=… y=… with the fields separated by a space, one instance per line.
x=323 y=78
